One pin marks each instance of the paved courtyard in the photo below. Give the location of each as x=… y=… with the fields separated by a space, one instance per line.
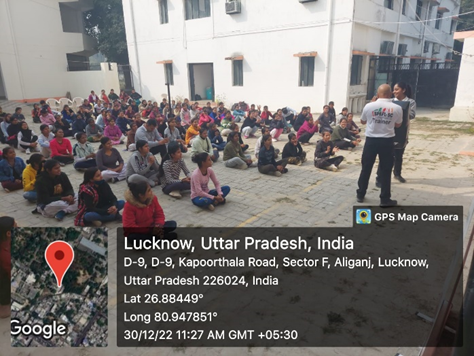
x=438 y=167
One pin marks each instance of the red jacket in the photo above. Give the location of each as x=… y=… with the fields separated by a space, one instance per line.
x=139 y=215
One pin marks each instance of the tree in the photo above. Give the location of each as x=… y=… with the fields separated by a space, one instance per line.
x=466 y=22
x=105 y=23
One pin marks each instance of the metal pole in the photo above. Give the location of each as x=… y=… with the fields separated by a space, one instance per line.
x=169 y=97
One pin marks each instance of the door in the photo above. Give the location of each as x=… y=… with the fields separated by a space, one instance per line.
x=201 y=81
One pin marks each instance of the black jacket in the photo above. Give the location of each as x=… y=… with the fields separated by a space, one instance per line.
x=290 y=150
x=106 y=199
x=45 y=188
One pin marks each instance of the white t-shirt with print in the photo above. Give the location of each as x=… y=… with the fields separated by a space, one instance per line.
x=381 y=117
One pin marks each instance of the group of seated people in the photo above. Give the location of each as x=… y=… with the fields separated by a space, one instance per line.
x=169 y=130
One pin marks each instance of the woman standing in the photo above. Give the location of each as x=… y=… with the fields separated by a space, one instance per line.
x=27 y=139
x=61 y=149
x=55 y=193
x=143 y=162
x=266 y=159
x=35 y=164
x=110 y=162
x=200 y=194
x=11 y=170
x=97 y=202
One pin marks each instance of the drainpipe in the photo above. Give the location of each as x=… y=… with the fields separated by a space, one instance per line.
x=17 y=55
x=136 y=46
x=328 y=50
x=397 y=38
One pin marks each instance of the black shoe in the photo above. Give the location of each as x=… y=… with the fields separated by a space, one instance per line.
x=388 y=204
x=400 y=179
x=360 y=199
x=378 y=184
x=35 y=211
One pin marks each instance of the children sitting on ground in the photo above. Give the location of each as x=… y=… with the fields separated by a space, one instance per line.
x=226 y=122
x=192 y=132
x=143 y=162
x=130 y=146
x=110 y=162
x=61 y=149
x=307 y=130
x=266 y=159
x=216 y=138
x=342 y=137
x=97 y=202
x=27 y=139
x=64 y=125
x=94 y=132
x=44 y=140
x=258 y=144
x=325 y=120
x=202 y=144
x=205 y=119
x=200 y=194
x=11 y=170
x=84 y=153
x=34 y=166
x=173 y=185
x=251 y=124
x=234 y=156
x=352 y=126
x=299 y=121
x=55 y=195
x=325 y=148
x=113 y=133
x=277 y=126
x=266 y=116
x=172 y=133
x=293 y=151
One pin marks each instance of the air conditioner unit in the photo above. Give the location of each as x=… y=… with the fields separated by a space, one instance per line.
x=436 y=48
x=387 y=47
x=302 y=1
x=232 y=7
x=402 y=49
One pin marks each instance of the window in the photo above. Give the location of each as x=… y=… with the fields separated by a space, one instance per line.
x=439 y=15
x=453 y=27
x=426 y=47
x=307 y=71
x=356 y=70
x=388 y=4
x=419 y=7
x=169 y=73
x=196 y=9
x=404 y=7
x=238 y=73
x=163 y=11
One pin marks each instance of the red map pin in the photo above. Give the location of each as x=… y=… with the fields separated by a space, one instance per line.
x=59 y=256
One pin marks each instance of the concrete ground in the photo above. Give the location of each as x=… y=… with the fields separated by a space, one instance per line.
x=439 y=171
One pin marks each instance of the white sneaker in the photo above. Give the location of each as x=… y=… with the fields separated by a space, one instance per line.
x=28 y=151
x=274 y=140
x=176 y=194
x=211 y=207
x=277 y=174
x=333 y=168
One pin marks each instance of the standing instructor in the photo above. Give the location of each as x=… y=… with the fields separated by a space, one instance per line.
x=381 y=117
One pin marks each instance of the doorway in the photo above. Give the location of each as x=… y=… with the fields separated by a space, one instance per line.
x=201 y=81
x=3 y=93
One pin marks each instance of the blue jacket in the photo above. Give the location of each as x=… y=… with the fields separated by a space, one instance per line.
x=122 y=123
x=6 y=171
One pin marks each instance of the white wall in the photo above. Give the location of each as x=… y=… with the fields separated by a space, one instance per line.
x=463 y=109
x=265 y=35
x=81 y=83
x=33 y=49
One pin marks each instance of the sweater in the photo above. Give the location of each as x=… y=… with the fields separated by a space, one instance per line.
x=190 y=133
x=320 y=153
x=325 y=123
x=200 y=184
x=58 y=149
x=140 y=215
x=94 y=198
x=45 y=141
x=47 y=119
x=266 y=157
x=112 y=132
x=79 y=126
x=93 y=131
x=200 y=145
x=290 y=150
x=153 y=138
x=29 y=178
x=105 y=162
x=340 y=134
x=51 y=189
x=7 y=172
x=137 y=164
x=232 y=150
x=306 y=128
x=81 y=151
x=172 y=171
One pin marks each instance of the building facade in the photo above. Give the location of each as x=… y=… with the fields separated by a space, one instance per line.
x=281 y=52
x=45 y=51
